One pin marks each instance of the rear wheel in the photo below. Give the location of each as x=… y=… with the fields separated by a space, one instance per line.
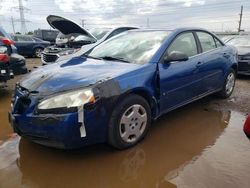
x=228 y=85
x=129 y=122
x=38 y=52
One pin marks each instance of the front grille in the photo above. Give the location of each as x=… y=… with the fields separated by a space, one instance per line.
x=244 y=57
x=243 y=66
x=49 y=58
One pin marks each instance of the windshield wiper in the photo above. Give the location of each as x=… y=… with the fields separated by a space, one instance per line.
x=110 y=58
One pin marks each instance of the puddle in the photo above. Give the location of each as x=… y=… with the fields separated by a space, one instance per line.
x=5 y=129
x=195 y=146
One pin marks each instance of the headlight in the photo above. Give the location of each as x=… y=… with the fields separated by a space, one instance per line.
x=68 y=100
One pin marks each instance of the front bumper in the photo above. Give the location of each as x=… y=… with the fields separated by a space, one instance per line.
x=57 y=130
x=244 y=66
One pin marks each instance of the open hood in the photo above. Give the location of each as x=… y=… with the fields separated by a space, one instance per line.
x=66 y=26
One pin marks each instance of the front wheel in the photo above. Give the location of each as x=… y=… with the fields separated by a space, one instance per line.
x=228 y=85
x=129 y=122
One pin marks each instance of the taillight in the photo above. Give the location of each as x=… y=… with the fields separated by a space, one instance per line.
x=4 y=58
x=6 y=41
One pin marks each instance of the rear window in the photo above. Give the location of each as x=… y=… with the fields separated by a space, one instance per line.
x=207 y=41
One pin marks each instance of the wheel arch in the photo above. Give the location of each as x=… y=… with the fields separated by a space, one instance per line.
x=144 y=93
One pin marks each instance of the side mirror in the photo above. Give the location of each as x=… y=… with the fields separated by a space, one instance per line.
x=175 y=56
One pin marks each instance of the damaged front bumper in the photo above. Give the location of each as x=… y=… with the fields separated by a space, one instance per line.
x=59 y=131
x=68 y=130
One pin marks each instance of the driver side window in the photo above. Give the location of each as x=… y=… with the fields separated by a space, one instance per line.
x=184 y=43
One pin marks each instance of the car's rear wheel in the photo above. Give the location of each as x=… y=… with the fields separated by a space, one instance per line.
x=228 y=85
x=129 y=122
x=38 y=52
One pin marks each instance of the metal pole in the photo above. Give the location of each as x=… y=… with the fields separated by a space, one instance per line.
x=241 y=13
x=13 y=26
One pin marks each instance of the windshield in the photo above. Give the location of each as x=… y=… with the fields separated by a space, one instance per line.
x=134 y=47
x=243 y=41
x=99 y=32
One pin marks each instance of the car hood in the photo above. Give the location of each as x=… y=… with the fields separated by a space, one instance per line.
x=243 y=50
x=76 y=73
x=67 y=26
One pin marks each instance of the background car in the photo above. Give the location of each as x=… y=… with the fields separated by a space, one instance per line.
x=75 y=39
x=113 y=93
x=46 y=35
x=29 y=46
x=5 y=72
x=242 y=43
x=102 y=34
x=17 y=62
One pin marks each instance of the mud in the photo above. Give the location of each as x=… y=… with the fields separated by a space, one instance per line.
x=199 y=145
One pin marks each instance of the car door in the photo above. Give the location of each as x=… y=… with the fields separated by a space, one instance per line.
x=24 y=45
x=178 y=80
x=213 y=59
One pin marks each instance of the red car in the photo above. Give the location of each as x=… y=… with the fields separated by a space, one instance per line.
x=247 y=126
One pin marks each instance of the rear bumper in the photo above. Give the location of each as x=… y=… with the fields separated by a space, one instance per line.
x=4 y=74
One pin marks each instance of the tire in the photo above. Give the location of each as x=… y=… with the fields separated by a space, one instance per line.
x=129 y=122
x=228 y=86
x=37 y=52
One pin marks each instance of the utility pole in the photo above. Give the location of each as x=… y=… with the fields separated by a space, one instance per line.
x=241 y=14
x=22 y=19
x=13 y=26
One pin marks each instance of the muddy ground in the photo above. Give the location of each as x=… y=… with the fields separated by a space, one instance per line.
x=199 y=145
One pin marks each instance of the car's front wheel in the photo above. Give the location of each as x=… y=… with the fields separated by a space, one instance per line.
x=229 y=84
x=129 y=122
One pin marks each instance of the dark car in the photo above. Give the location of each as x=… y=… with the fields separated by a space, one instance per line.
x=29 y=46
x=5 y=73
x=73 y=38
x=242 y=43
x=46 y=35
x=16 y=61
x=113 y=93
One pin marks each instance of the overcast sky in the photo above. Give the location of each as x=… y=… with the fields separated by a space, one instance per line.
x=216 y=15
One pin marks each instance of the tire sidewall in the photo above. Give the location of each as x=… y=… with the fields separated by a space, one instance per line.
x=224 y=92
x=114 y=125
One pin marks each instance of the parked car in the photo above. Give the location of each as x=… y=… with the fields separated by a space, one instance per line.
x=17 y=62
x=102 y=34
x=5 y=73
x=247 y=126
x=226 y=38
x=29 y=46
x=46 y=35
x=112 y=94
x=74 y=40
x=242 y=43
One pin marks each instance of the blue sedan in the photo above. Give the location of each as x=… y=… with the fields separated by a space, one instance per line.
x=29 y=46
x=113 y=93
